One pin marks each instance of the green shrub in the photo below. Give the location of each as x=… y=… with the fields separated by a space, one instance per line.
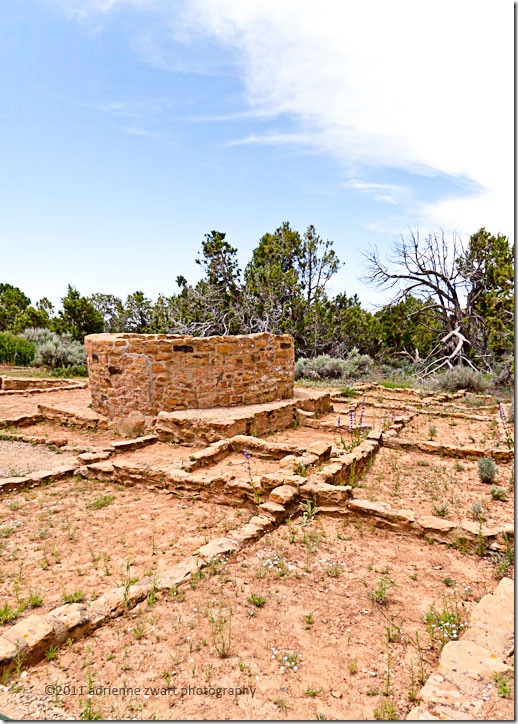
x=461 y=378
x=440 y=510
x=325 y=367
x=320 y=368
x=478 y=513
x=38 y=335
x=498 y=493
x=357 y=365
x=487 y=470
x=399 y=371
x=394 y=383
x=380 y=593
x=55 y=351
x=16 y=350
x=70 y=371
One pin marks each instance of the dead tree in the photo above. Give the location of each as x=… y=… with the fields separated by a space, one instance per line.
x=429 y=270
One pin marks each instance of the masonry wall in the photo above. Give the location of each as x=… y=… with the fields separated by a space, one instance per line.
x=149 y=373
x=28 y=383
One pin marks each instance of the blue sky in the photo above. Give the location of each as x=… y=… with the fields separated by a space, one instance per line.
x=131 y=128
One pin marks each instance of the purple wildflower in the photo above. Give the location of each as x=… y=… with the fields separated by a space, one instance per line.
x=247 y=461
x=361 y=414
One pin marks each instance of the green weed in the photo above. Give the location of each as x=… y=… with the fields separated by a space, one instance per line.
x=380 y=593
x=102 y=501
x=258 y=601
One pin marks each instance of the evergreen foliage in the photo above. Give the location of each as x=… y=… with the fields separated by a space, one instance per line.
x=453 y=311
x=15 y=350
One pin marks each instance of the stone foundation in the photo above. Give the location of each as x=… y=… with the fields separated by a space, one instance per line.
x=149 y=373
x=37 y=384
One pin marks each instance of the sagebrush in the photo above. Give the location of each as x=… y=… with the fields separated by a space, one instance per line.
x=54 y=350
x=461 y=378
x=325 y=367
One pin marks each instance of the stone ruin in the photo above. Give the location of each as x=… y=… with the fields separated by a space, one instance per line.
x=150 y=373
x=215 y=398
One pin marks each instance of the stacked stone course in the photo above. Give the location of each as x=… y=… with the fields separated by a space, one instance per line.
x=149 y=373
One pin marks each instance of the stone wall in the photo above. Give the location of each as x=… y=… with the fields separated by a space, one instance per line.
x=149 y=373
x=38 y=383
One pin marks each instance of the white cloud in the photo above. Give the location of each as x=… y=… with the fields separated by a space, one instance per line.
x=425 y=87
x=390 y=193
x=421 y=86
x=142 y=132
x=81 y=9
x=272 y=139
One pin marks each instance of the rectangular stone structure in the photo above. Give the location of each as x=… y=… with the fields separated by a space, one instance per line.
x=150 y=373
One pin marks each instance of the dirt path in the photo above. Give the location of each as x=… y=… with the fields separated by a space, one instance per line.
x=27 y=404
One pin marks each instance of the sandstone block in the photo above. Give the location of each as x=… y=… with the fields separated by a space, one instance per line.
x=135 y=444
x=321 y=449
x=102 y=467
x=307 y=422
x=32 y=634
x=432 y=523
x=438 y=690
x=284 y=494
x=177 y=574
x=93 y=457
x=68 y=619
x=269 y=481
x=294 y=480
x=419 y=713
x=261 y=521
x=406 y=515
x=377 y=507
x=324 y=494
x=305 y=414
x=8 y=651
x=469 y=667
x=375 y=434
x=110 y=603
x=218 y=547
x=276 y=510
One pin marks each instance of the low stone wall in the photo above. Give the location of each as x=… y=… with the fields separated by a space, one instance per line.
x=149 y=373
x=194 y=427
x=28 y=383
x=37 y=384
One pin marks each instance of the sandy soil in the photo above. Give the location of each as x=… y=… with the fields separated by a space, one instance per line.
x=27 y=404
x=159 y=455
x=317 y=620
x=237 y=466
x=340 y=439
x=74 y=436
x=426 y=483
x=20 y=458
x=349 y=655
x=453 y=431
x=80 y=535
